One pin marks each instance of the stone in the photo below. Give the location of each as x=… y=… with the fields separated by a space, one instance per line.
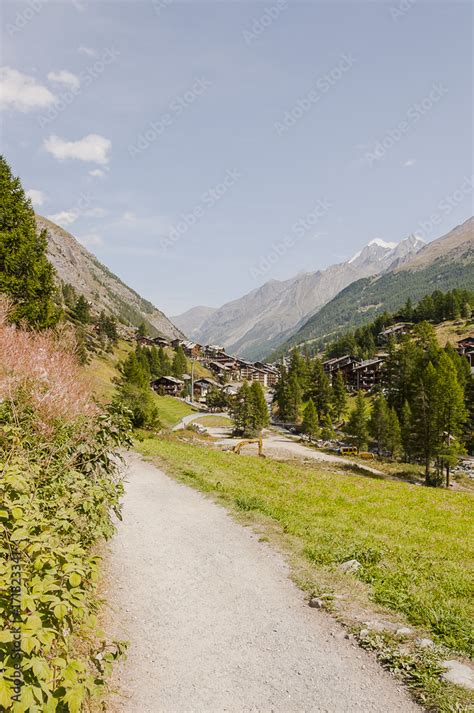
x=404 y=631
x=363 y=633
x=425 y=643
x=350 y=566
x=458 y=673
x=316 y=603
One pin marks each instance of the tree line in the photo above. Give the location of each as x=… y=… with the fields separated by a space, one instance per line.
x=423 y=409
x=436 y=308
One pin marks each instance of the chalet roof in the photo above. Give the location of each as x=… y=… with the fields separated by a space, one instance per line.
x=167 y=380
x=336 y=360
x=369 y=362
x=206 y=380
x=396 y=327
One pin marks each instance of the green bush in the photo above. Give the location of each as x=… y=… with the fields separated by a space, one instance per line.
x=59 y=485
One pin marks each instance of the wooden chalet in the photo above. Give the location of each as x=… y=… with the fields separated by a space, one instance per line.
x=272 y=372
x=346 y=365
x=368 y=374
x=161 y=342
x=192 y=349
x=395 y=331
x=167 y=386
x=465 y=347
x=203 y=386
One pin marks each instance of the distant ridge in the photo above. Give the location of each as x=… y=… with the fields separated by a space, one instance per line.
x=444 y=264
x=261 y=320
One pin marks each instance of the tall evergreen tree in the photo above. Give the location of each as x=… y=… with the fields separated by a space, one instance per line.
x=394 y=435
x=310 y=424
x=358 y=425
x=26 y=276
x=259 y=408
x=339 y=397
x=379 y=421
x=180 y=363
x=320 y=389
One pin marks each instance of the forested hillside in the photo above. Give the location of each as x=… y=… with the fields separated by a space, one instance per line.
x=437 y=268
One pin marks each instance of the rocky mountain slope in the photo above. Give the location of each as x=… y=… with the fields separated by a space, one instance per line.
x=78 y=267
x=190 y=322
x=444 y=264
x=259 y=321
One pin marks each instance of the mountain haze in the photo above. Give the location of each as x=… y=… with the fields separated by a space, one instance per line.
x=256 y=323
x=81 y=269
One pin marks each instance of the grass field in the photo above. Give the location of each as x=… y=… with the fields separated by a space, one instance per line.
x=416 y=545
x=103 y=369
x=213 y=421
x=172 y=410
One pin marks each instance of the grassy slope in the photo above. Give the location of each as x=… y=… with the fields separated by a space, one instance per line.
x=103 y=369
x=416 y=545
x=172 y=410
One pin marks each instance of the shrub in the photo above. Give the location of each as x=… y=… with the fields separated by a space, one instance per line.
x=59 y=484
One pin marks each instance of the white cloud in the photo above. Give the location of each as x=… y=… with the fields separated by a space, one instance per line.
x=128 y=216
x=64 y=218
x=410 y=162
x=94 y=148
x=97 y=173
x=95 y=213
x=68 y=79
x=91 y=240
x=88 y=51
x=36 y=197
x=21 y=92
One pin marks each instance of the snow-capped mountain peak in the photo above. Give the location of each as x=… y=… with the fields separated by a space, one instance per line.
x=382 y=244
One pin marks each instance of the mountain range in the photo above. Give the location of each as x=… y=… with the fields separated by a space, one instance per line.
x=255 y=324
x=444 y=264
x=78 y=267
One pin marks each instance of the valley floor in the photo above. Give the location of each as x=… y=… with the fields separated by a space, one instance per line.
x=214 y=622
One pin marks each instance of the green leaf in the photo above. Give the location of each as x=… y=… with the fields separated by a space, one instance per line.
x=60 y=611
x=75 y=579
x=5 y=637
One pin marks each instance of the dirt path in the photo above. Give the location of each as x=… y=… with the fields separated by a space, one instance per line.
x=215 y=624
x=277 y=444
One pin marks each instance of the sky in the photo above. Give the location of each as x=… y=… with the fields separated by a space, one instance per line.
x=200 y=149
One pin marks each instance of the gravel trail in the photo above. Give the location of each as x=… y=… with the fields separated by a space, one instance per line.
x=213 y=621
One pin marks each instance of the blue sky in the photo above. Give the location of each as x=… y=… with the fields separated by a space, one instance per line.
x=202 y=148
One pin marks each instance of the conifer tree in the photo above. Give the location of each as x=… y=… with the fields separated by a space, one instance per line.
x=320 y=389
x=406 y=426
x=258 y=406
x=26 y=276
x=180 y=363
x=339 y=397
x=379 y=421
x=358 y=425
x=310 y=424
x=393 y=436
x=327 y=429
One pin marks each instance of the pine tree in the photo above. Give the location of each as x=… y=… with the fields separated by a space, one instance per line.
x=241 y=411
x=81 y=311
x=141 y=330
x=406 y=426
x=393 y=436
x=426 y=438
x=379 y=421
x=339 y=397
x=452 y=412
x=26 y=276
x=327 y=429
x=180 y=363
x=259 y=408
x=320 y=389
x=358 y=425
x=310 y=424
